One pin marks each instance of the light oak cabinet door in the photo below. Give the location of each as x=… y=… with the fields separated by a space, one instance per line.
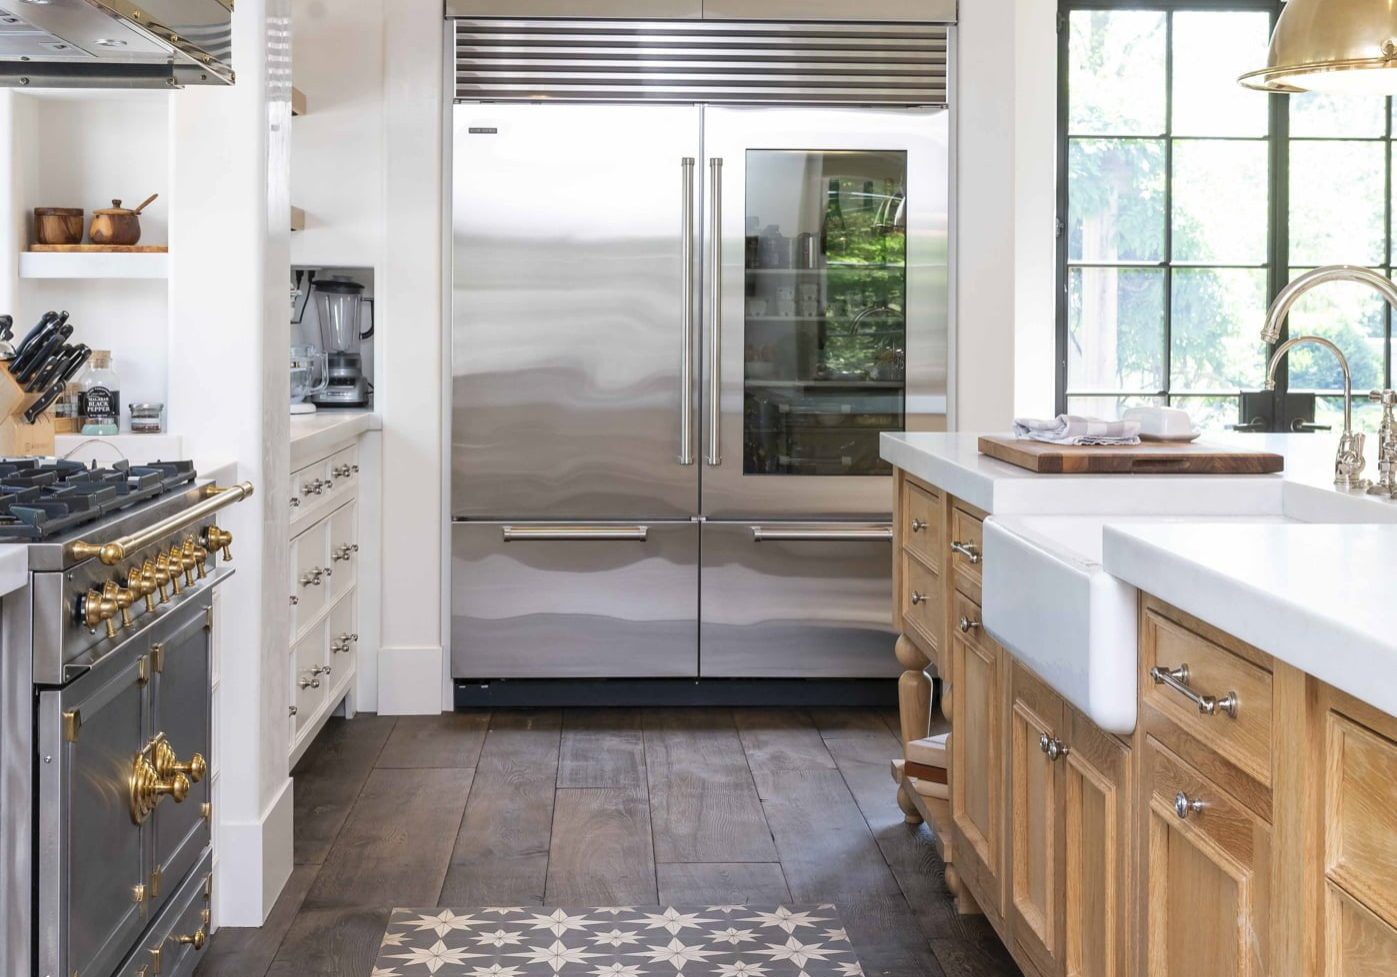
x=1207 y=876
x=977 y=777
x=1036 y=754
x=1097 y=836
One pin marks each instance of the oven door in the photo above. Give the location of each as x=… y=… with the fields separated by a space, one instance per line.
x=94 y=861
x=179 y=651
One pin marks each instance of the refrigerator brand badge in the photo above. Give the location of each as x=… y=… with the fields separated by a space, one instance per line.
x=482 y=130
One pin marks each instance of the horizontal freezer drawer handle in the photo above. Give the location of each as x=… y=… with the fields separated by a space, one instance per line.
x=514 y=534
x=863 y=534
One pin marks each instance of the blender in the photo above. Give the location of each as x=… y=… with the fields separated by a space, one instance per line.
x=339 y=304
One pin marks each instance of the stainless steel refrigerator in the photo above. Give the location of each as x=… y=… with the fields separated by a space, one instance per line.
x=677 y=332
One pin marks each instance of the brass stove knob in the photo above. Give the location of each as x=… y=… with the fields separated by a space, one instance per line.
x=158 y=576
x=171 y=568
x=98 y=609
x=123 y=597
x=182 y=557
x=142 y=585
x=217 y=538
x=167 y=763
x=195 y=556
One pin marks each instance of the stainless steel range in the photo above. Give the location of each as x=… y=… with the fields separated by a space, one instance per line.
x=105 y=666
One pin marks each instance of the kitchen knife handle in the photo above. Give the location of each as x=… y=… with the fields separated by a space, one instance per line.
x=714 y=457
x=686 y=312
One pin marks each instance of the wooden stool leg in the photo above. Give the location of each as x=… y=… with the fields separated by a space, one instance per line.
x=909 y=810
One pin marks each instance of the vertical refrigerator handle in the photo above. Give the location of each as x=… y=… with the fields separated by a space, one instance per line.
x=714 y=456
x=686 y=314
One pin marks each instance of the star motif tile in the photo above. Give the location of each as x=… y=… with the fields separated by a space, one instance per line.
x=618 y=941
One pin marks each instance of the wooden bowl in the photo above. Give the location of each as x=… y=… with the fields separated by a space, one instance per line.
x=58 y=225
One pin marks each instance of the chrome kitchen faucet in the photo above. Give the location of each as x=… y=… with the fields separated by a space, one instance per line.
x=1348 y=461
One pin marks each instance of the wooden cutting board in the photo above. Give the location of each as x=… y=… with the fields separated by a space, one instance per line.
x=1147 y=458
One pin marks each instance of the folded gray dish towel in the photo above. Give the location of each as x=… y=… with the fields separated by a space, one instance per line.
x=1069 y=429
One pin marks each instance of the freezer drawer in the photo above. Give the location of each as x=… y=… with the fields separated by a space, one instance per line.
x=796 y=600
x=582 y=600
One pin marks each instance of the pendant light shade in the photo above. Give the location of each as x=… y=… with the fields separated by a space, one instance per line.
x=1342 y=46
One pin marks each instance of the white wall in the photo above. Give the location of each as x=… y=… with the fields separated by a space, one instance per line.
x=1007 y=78
x=229 y=332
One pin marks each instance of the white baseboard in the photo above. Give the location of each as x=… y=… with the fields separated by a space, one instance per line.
x=409 y=680
x=254 y=861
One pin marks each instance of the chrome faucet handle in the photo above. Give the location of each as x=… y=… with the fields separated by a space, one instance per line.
x=1349 y=462
x=1387 y=444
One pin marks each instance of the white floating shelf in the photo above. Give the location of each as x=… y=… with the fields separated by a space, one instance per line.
x=93 y=264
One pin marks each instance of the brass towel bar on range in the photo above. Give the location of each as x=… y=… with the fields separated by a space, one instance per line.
x=112 y=553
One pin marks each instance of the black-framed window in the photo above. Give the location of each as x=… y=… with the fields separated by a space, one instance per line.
x=1186 y=202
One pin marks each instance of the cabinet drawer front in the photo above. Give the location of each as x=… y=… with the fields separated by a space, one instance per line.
x=309 y=585
x=344 y=549
x=343 y=469
x=1359 y=943
x=1207 y=876
x=967 y=545
x=922 y=600
x=309 y=487
x=923 y=524
x=344 y=637
x=1360 y=815
x=1219 y=676
x=309 y=683
x=967 y=622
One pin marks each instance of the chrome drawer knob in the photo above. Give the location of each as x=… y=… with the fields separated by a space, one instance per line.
x=966 y=625
x=1184 y=805
x=1056 y=749
x=1043 y=743
x=918 y=525
x=918 y=598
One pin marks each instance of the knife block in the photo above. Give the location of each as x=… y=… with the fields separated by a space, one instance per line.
x=17 y=436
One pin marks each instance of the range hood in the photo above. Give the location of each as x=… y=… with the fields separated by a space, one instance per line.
x=115 y=43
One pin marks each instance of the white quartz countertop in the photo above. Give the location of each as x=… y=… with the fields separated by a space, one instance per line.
x=313 y=435
x=1285 y=562
x=1319 y=597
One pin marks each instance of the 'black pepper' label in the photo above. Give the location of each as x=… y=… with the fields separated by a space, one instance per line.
x=99 y=403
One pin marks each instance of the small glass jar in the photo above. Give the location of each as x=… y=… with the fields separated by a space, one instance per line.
x=147 y=418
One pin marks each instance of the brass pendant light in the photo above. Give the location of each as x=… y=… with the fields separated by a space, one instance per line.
x=1341 y=46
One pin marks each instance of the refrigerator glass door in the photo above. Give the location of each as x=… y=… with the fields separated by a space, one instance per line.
x=569 y=305
x=828 y=281
x=796 y=600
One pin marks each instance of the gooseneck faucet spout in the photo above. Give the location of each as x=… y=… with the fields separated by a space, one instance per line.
x=1280 y=308
x=1348 y=461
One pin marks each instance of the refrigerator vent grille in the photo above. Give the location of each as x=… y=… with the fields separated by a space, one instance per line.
x=701 y=61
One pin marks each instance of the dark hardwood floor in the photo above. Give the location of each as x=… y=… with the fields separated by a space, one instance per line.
x=607 y=807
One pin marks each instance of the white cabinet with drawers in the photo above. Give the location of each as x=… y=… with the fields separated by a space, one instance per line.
x=330 y=495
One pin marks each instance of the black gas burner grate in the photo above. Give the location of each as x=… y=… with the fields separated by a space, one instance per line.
x=43 y=497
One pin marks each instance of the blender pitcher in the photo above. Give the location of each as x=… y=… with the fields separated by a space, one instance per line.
x=340 y=304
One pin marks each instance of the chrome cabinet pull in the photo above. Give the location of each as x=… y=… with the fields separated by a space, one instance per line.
x=1043 y=743
x=1177 y=679
x=918 y=598
x=715 y=311
x=918 y=525
x=686 y=312
x=513 y=534
x=965 y=625
x=1184 y=805
x=832 y=534
x=1052 y=747
x=312 y=578
x=968 y=550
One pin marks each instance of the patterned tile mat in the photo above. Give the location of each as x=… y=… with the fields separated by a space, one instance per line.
x=618 y=941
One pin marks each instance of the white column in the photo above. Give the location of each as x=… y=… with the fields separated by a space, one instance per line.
x=229 y=331
x=409 y=393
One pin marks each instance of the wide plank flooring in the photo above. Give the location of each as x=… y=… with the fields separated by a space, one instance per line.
x=607 y=807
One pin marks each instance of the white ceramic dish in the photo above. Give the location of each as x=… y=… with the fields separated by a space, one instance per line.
x=1193 y=435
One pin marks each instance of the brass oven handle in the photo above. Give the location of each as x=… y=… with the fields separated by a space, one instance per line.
x=1177 y=679
x=146 y=787
x=117 y=550
x=167 y=763
x=197 y=939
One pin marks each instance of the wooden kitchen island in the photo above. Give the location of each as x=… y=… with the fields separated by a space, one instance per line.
x=1247 y=827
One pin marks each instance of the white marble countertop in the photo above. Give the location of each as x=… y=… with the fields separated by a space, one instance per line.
x=1285 y=562
x=1319 y=597
x=313 y=435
